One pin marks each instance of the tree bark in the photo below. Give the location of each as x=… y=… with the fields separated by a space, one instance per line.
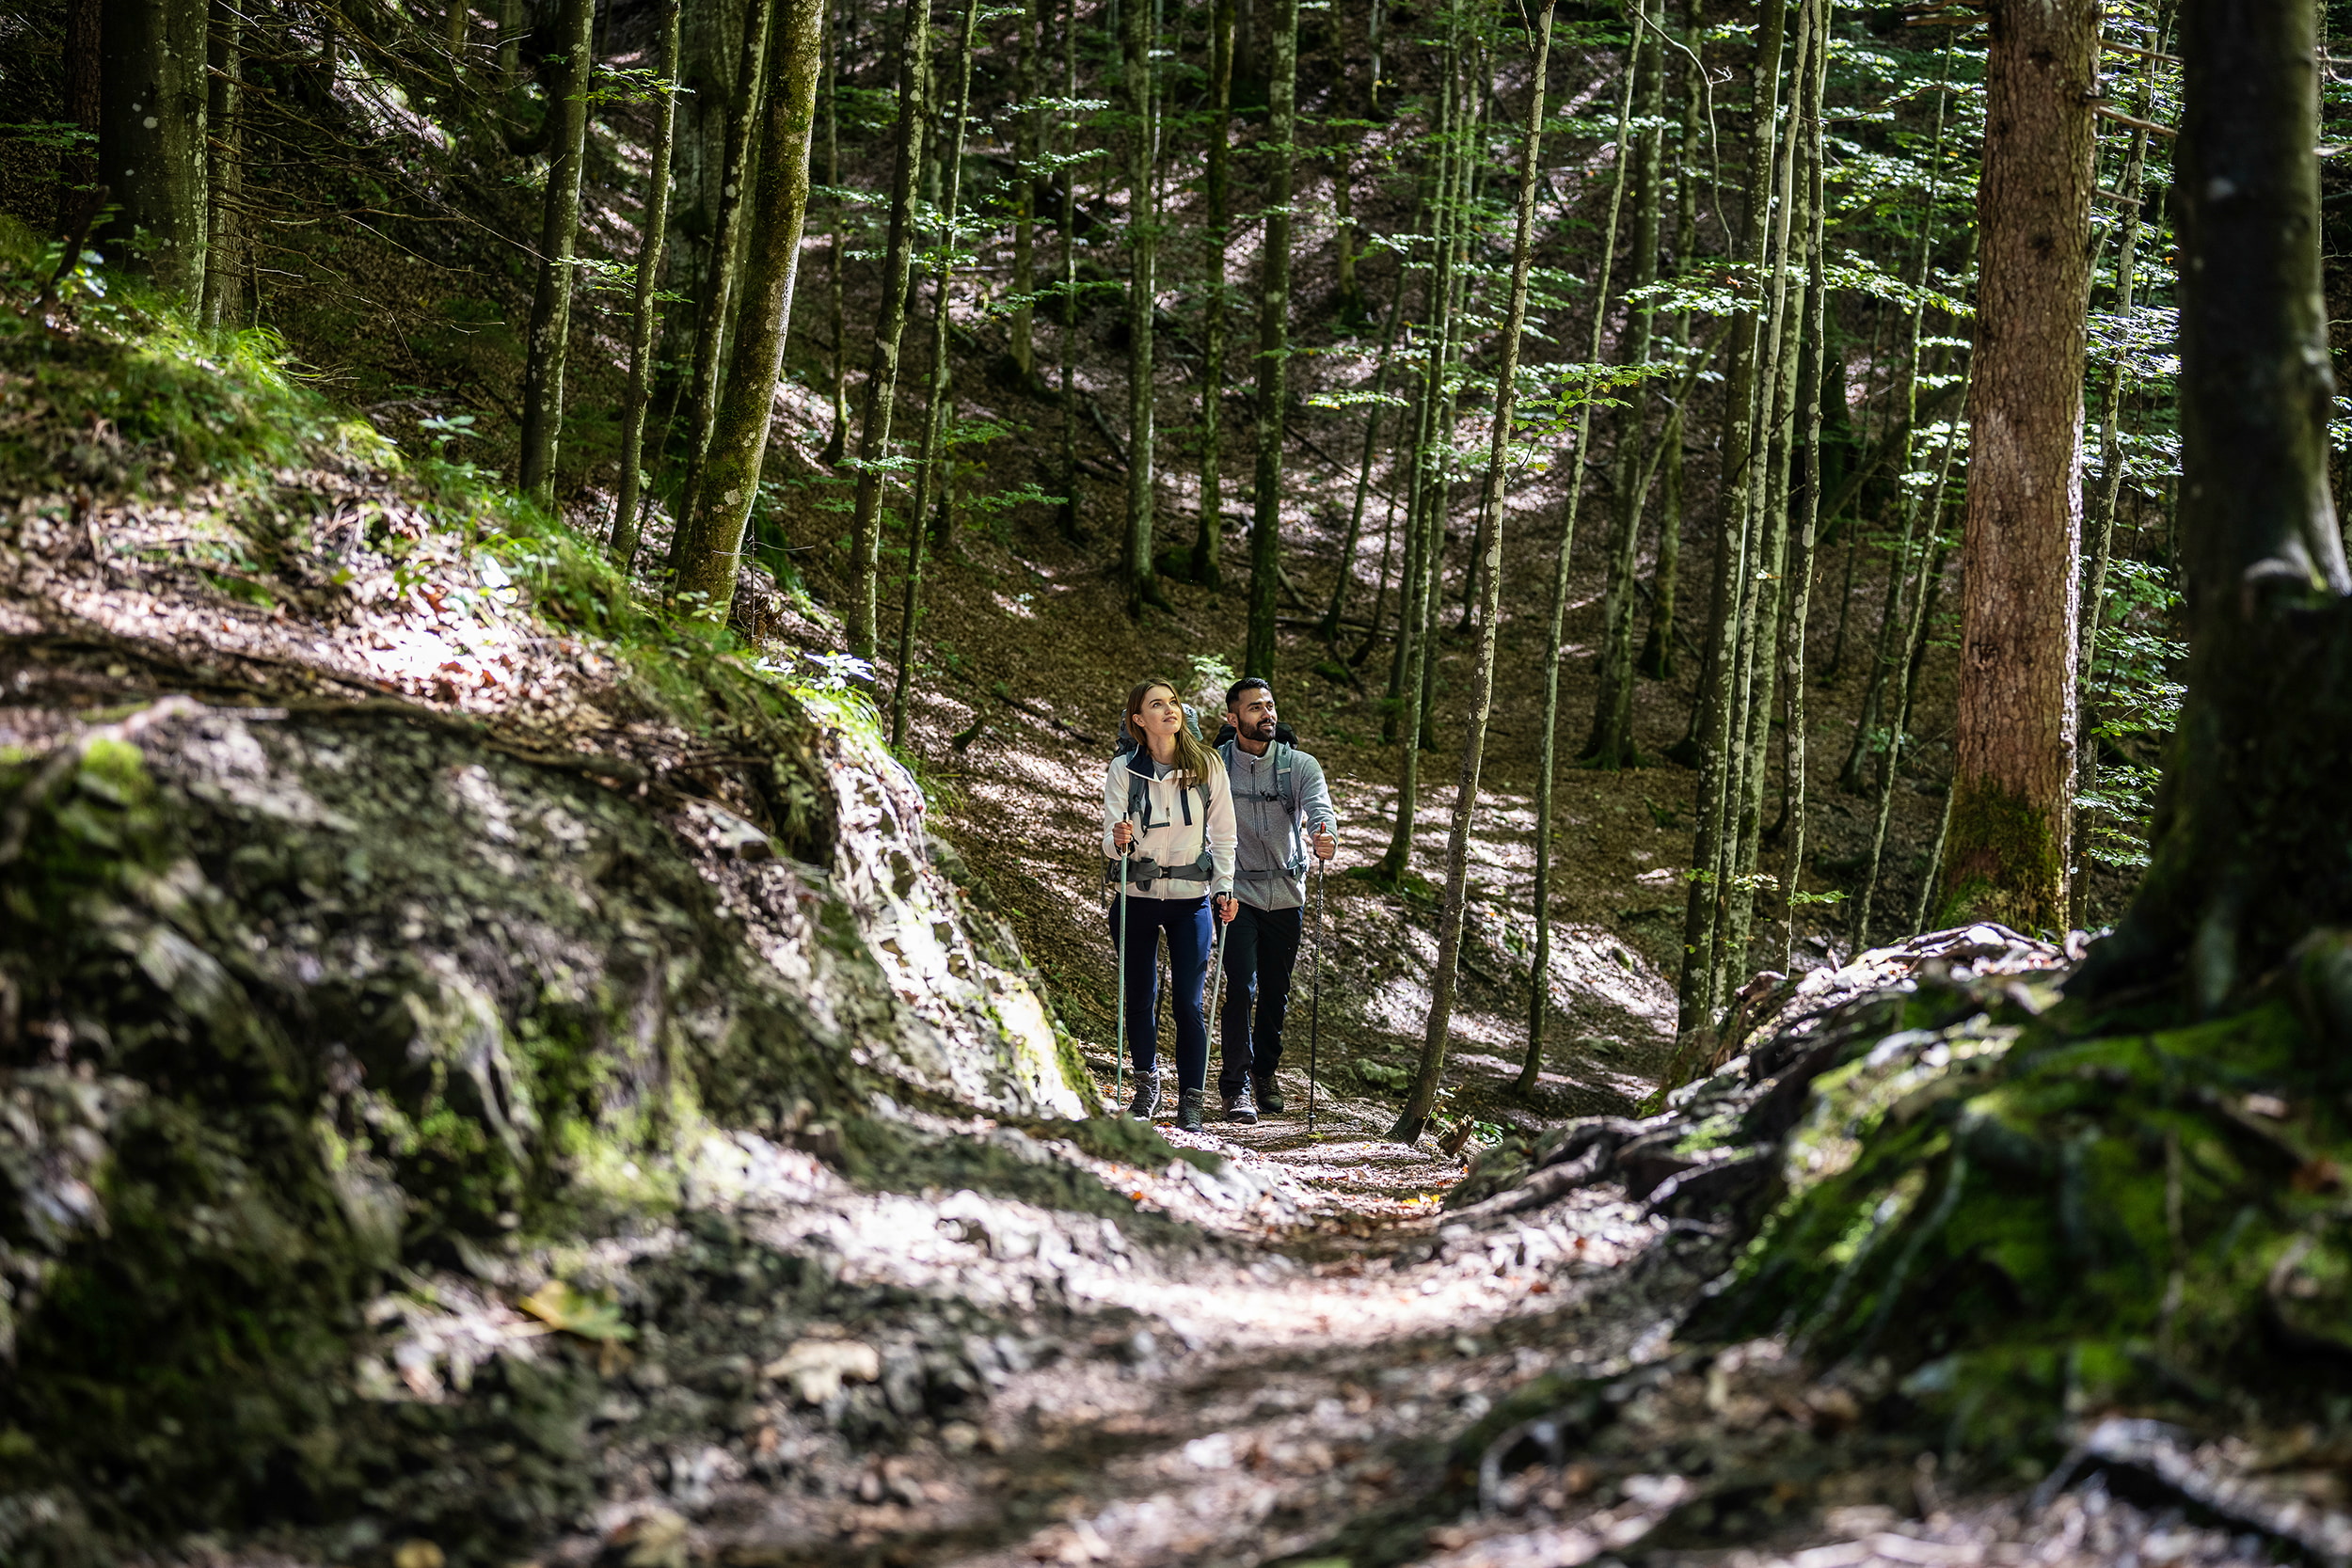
x=1273 y=305
x=1029 y=42
x=151 y=141
x=881 y=379
x=2012 y=815
x=549 y=343
x=652 y=230
x=2248 y=852
x=738 y=444
x=84 y=106
x=1423 y=1097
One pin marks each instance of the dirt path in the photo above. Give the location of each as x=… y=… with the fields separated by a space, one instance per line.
x=1295 y=1356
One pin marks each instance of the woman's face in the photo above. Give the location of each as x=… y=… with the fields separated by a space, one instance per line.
x=1161 y=714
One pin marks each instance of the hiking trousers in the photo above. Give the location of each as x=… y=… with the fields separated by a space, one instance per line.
x=1260 y=950
x=1186 y=922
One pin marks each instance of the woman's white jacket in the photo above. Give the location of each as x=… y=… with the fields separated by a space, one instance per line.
x=1171 y=840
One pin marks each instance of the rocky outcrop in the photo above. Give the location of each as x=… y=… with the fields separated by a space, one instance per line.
x=306 y=1007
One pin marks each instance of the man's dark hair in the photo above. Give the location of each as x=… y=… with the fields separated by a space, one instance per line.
x=1232 y=692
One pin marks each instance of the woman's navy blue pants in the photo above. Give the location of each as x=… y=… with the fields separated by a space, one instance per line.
x=1188 y=925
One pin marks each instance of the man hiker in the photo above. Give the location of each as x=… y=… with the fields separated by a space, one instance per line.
x=1281 y=808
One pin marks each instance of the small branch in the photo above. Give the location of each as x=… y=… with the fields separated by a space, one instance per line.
x=2106 y=112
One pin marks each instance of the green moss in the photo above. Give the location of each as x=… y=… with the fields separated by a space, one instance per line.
x=2001 y=862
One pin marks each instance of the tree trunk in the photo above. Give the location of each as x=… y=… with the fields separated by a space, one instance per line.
x=1610 y=745
x=929 y=471
x=1702 y=927
x=2014 y=746
x=1273 y=305
x=2248 y=852
x=721 y=287
x=837 y=443
x=549 y=343
x=151 y=141
x=1547 y=746
x=84 y=106
x=1071 y=516
x=1423 y=1097
x=224 y=260
x=2110 y=482
x=882 y=380
x=738 y=444
x=1342 y=209
x=1346 y=578
x=1142 y=291
x=1028 y=41
x=1208 y=545
x=1793 y=648
x=652 y=229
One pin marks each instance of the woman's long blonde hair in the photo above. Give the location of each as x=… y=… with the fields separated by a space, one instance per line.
x=1195 y=763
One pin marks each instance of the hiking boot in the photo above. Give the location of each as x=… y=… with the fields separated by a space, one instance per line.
x=1147 y=1103
x=1242 y=1107
x=1188 y=1103
x=1269 y=1094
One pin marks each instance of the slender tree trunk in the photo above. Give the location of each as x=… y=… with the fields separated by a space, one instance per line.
x=720 y=288
x=837 y=443
x=549 y=338
x=85 y=106
x=881 y=381
x=1208 y=547
x=1028 y=35
x=739 y=445
x=929 y=469
x=513 y=21
x=1142 y=295
x=1865 y=735
x=652 y=229
x=2110 y=485
x=1342 y=209
x=1793 y=648
x=151 y=141
x=1070 y=510
x=1611 y=743
x=1768 y=501
x=224 y=261
x=1346 y=575
x=1273 y=308
x=2015 y=740
x=1547 y=744
x=1702 y=928
x=1423 y=1097
x=2249 y=858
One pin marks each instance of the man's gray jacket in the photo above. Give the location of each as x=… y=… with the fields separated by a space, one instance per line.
x=1279 y=801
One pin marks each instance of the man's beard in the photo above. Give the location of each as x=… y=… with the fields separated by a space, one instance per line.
x=1262 y=730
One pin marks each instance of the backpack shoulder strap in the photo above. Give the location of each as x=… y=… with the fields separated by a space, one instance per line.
x=1286 y=778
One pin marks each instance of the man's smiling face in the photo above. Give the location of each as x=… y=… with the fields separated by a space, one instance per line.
x=1253 y=716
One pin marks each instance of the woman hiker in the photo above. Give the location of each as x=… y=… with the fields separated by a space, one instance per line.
x=1167 y=812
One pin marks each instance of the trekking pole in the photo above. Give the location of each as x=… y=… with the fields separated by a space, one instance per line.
x=1314 y=1010
x=1118 y=981
x=1217 y=980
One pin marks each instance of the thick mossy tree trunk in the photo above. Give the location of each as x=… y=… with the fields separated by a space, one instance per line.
x=152 y=139
x=1274 y=318
x=2248 y=854
x=2013 y=768
x=739 y=443
x=549 y=340
x=881 y=381
x=652 y=230
x=1423 y=1097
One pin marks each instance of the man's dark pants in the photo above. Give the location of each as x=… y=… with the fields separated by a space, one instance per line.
x=1260 y=950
